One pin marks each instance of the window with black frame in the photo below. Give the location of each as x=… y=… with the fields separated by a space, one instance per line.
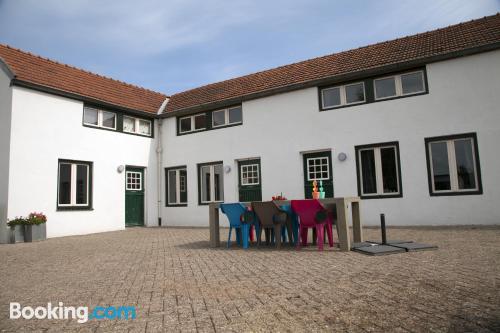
x=453 y=165
x=379 y=170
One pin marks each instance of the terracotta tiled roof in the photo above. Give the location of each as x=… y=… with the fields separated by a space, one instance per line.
x=40 y=71
x=455 y=38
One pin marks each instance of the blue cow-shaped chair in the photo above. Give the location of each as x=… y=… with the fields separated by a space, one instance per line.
x=235 y=213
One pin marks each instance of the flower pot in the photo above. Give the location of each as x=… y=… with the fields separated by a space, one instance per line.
x=321 y=195
x=17 y=234
x=315 y=195
x=35 y=232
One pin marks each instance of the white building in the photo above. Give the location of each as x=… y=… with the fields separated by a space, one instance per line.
x=410 y=125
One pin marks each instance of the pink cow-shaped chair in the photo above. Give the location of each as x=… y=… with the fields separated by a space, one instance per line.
x=312 y=214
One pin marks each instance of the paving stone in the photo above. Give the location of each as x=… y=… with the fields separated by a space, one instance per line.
x=179 y=284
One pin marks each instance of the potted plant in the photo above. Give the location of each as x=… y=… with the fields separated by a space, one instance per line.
x=17 y=229
x=35 y=229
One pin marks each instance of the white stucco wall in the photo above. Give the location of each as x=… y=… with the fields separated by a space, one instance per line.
x=5 y=113
x=463 y=97
x=46 y=128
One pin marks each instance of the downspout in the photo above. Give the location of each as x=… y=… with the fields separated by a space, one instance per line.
x=159 y=159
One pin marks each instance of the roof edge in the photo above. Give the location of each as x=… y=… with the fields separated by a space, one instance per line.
x=3 y=66
x=334 y=79
x=67 y=94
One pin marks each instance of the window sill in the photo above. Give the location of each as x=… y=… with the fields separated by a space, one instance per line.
x=69 y=209
x=444 y=194
x=176 y=205
x=381 y=196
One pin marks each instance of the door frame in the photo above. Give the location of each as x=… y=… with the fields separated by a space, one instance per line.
x=144 y=188
x=238 y=173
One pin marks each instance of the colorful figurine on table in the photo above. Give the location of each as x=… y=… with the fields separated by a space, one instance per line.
x=321 y=190
x=315 y=193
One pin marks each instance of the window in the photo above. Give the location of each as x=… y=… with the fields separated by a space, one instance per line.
x=176 y=183
x=99 y=118
x=379 y=170
x=137 y=126
x=134 y=180
x=399 y=85
x=211 y=183
x=343 y=95
x=74 y=185
x=227 y=117
x=250 y=174
x=318 y=168
x=192 y=123
x=453 y=165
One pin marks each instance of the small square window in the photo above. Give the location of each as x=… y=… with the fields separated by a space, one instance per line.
x=108 y=119
x=91 y=116
x=235 y=115
x=331 y=97
x=412 y=83
x=200 y=122
x=385 y=88
x=355 y=93
x=144 y=127
x=185 y=124
x=219 y=118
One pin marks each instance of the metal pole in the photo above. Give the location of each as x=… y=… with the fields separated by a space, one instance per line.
x=382 y=227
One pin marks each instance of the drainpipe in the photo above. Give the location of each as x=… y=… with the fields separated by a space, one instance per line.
x=159 y=158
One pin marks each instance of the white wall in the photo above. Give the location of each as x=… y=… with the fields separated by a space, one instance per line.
x=463 y=97
x=46 y=128
x=5 y=114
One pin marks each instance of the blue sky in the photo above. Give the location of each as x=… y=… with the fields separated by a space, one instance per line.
x=171 y=46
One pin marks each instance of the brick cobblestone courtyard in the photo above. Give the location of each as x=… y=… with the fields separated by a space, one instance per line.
x=178 y=283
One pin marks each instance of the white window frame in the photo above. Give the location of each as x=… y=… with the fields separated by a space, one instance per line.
x=343 y=95
x=399 y=85
x=452 y=164
x=327 y=168
x=140 y=180
x=73 y=185
x=136 y=126
x=99 y=118
x=178 y=187
x=192 y=123
x=379 y=177
x=258 y=174
x=226 y=117
x=212 y=183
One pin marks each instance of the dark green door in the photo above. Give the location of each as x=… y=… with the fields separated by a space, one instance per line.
x=134 y=196
x=318 y=166
x=249 y=183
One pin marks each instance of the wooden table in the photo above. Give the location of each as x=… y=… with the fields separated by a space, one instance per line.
x=342 y=205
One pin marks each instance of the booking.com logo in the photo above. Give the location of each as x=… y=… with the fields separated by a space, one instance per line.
x=80 y=313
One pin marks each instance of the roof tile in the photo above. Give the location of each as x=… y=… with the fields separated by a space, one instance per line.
x=48 y=73
x=442 y=41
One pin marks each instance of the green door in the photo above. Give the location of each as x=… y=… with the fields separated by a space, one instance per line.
x=249 y=183
x=134 y=196
x=318 y=166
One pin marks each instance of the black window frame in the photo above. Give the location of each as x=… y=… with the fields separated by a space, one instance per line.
x=90 y=188
x=167 y=203
x=369 y=85
x=398 y=167
x=119 y=120
x=209 y=120
x=477 y=166
x=198 y=167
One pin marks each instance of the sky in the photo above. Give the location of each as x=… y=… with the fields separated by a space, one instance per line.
x=175 y=45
